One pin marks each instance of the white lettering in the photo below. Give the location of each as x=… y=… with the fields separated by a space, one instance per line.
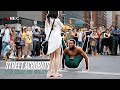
x=36 y=65
x=14 y=18
x=7 y=65
x=13 y=65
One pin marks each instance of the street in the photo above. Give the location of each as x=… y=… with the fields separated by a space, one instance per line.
x=100 y=67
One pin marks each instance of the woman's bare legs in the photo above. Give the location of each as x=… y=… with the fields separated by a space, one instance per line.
x=104 y=49
x=57 y=59
x=50 y=65
x=23 y=51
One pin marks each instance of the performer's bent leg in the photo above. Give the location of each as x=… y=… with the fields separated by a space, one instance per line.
x=74 y=63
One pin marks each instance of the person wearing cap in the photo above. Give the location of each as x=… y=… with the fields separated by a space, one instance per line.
x=27 y=36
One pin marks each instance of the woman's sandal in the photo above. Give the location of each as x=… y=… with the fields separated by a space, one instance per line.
x=58 y=75
x=50 y=75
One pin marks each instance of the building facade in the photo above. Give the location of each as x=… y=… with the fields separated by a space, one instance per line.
x=44 y=13
x=109 y=18
x=87 y=19
x=76 y=17
x=99 y=18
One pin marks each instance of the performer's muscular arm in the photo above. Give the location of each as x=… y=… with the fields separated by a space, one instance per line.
x=64 y=53
x=84 y=56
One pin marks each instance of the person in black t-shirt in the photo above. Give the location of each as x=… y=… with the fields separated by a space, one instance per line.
x=41 y=39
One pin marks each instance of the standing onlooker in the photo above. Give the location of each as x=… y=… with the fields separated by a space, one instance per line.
x=0 y=42
x=93 y=41
x=36 y=35
x=106 y=49
x=74 y=35
x=102 y=30
x=86 y=46
x=5 y=32
x=28 y=42
x=81 y=35
x=111 y=37
x=115 y=40
x=119 y=41
x=22 y=42
x=41 y=40
x=13 y=35
x=18 y=46
x=68 y=36
x=98 y=41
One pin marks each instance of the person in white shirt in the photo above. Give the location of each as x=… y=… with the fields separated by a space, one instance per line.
x=5 y=32
x=80 y=38
x=0 y=43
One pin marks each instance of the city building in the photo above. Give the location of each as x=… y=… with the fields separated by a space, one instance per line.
x=118 y=19
x=75 y=17
x=44 y=13
x=87 y=19
x=99 y=18
x=109 y=18
x=114 y=18
x=94 y=18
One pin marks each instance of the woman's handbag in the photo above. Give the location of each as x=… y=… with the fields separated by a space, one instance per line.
x=92 y=43
x=45 y=43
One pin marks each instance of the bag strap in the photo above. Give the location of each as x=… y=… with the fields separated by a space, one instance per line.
x=51 y=29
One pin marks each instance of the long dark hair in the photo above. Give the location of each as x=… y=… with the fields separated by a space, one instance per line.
x=22 y=30
x=115 y=27
x=52 y=14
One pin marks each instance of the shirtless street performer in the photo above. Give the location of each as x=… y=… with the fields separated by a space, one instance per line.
x=73 y=55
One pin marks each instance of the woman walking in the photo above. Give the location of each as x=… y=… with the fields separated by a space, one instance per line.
x=54 y=42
